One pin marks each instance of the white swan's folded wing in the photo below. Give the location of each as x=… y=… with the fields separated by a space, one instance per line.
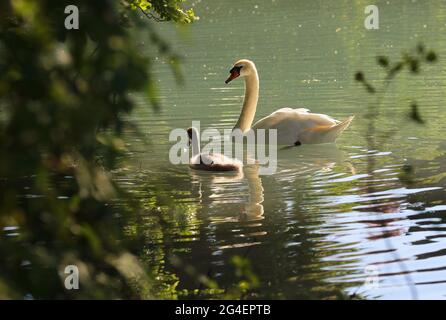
x=299 y=125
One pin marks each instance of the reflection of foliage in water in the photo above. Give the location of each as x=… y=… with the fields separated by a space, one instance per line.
x=63 y=96
x=412 y=62
x=183 y=252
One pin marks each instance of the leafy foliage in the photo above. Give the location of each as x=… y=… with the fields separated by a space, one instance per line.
x=410 y=61
x=63 y=95
x=164 y=10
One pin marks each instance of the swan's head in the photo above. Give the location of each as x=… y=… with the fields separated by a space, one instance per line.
x=241 y=68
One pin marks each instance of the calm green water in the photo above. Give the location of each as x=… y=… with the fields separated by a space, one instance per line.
x=330 y=212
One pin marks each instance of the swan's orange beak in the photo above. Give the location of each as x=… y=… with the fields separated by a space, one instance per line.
x=235 y=72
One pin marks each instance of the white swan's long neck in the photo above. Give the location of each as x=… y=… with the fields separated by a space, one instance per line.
x=249 y=102
x=195 y=142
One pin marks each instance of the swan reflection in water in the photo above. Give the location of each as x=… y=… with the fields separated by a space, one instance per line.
x=217 y=192
x=222 y=194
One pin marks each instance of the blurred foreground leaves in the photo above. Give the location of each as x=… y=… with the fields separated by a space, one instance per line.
x=63 y=95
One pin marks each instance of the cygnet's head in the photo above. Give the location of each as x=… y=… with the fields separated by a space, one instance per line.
x=189 y=133
x=192 y=133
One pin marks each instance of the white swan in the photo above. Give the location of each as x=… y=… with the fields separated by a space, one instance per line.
x=294 y=126
x=209 y=161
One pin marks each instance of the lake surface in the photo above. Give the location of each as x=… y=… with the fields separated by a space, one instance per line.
x=364 y=216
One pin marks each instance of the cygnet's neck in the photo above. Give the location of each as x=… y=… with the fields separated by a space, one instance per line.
x=195 y=142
